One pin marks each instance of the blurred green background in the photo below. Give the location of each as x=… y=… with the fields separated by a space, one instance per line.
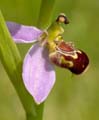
x=73 y=97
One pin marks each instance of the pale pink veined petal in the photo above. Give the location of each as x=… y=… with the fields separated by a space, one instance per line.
x=38 y=73
x=23 y=33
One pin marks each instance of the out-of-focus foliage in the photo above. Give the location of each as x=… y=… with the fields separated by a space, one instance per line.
x=73 y=97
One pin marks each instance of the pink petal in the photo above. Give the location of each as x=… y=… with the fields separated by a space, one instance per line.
x=22 y=33
x=38 y=73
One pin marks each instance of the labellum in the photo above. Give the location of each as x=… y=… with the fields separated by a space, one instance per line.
x=67 y=56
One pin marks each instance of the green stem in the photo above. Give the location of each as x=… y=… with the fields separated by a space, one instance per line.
x=45 y=14
x=38 y=113
x=12 y=62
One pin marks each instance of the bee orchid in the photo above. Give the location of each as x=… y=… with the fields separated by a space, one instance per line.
x=48 y=48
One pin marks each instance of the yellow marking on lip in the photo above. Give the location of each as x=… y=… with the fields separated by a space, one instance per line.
x=79 y=51
x=72 y=54
x=69 y=63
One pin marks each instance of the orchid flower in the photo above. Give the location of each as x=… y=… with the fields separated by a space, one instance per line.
x=49 y=48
